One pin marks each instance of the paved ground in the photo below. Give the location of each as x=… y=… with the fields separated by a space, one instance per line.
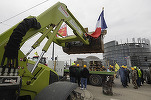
x=120 y=93
x=86 y=95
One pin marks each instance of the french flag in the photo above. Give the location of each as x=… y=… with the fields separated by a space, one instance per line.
x=100 y=25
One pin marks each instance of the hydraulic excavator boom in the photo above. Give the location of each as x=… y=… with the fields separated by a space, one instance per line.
x=24 y=78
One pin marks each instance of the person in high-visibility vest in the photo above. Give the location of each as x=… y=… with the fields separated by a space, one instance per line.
x=139 y=76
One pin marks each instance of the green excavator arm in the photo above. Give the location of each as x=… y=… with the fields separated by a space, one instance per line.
x=13 y=62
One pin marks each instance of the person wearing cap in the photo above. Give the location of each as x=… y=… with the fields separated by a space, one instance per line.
x=103 y=68
x=122 y=73
x=134 y=77
x=78 y=74
x=84 y=76
x=72 y=72
x=142 y=77
x=127 y=75
x=112 y=69
x=139 y=77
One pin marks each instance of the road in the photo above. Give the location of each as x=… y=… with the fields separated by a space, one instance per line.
x=120 y=93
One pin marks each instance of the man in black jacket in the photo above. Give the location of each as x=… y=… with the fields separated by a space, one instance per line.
x=84 y=76
x=78 y=74
x=72 y=73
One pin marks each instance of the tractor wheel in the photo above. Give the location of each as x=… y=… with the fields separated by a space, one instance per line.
x=148 y=80
x=58 y=91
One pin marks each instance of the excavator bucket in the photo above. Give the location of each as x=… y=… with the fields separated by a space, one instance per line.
x=77 y=47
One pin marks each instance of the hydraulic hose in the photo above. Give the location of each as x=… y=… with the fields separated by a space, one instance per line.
x=13 y=45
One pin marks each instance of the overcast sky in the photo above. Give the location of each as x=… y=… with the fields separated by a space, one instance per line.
x=124 y=18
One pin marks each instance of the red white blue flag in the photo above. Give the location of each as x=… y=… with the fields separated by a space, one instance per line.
x=100 y=25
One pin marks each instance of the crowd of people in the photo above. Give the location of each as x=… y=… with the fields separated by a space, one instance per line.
x=136 y=76
x=78 y=75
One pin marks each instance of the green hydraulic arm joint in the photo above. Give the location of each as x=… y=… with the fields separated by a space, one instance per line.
x=37 y=43
x=45 y=48
x=68 y=39
x=77 y=28
x=77 y=31
x=59 y=35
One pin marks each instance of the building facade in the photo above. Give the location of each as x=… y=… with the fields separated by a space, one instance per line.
x=130 y=54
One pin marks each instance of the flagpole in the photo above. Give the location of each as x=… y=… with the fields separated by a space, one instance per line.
x=52 y=52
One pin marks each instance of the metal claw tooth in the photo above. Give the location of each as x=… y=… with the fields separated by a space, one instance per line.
x=15 y=74
x=11 y=74
x=5 y=74
x=1 y=70
x=12 y=70
x=6 y=70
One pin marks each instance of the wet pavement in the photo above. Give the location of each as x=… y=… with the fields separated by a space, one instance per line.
x=121 y=93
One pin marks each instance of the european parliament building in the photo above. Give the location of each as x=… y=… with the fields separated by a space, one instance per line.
x=131 y=53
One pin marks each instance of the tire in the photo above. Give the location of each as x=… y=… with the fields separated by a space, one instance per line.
x=148 y=79
x=95 y=80
x=27 y=97
x=58 y=91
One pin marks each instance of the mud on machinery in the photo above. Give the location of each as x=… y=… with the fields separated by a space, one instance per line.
x=22 y=79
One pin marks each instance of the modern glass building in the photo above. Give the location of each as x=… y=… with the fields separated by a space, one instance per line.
x=130 y=54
